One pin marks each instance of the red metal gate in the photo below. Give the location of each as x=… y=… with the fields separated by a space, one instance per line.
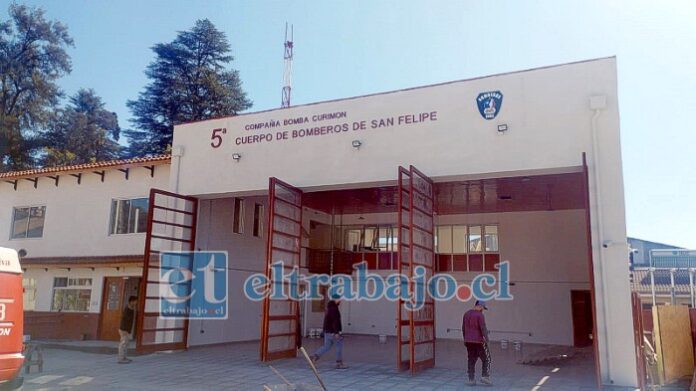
x=281 y=317
x=171 y=226
x=416 y=329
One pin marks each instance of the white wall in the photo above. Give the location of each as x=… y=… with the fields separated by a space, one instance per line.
x=246 y=256
x=548 y=114
x=44 y=282
x=546 y=111
x=548 y=258
x=547 y=252
x=77 y=216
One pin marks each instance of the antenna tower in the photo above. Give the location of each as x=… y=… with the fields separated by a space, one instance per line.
x=287 y=74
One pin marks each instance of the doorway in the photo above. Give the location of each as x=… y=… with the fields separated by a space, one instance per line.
x=117 y=290
x=581 y=304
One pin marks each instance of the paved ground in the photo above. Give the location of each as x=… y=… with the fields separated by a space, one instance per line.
x=236 y=367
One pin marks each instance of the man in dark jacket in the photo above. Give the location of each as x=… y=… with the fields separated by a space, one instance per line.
x=126 y=328
x=333 y=332
x=475 y=336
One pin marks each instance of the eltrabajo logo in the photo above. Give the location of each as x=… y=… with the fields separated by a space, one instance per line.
x=193 y=284
x=489 y=104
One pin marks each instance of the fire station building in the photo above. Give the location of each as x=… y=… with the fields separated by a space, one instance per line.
x=523 y=167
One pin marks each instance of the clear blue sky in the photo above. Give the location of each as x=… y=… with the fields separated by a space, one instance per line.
x=347 y=48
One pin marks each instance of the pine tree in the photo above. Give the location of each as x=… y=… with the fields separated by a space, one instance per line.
x=32 y=59
x=189 y=81
x=83 y=132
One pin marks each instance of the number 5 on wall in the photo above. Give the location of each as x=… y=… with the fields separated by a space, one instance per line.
x=216 y=138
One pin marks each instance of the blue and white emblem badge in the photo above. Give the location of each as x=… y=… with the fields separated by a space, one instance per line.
x=489 y=104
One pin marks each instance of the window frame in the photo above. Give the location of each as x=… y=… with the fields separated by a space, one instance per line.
x=69 y=287
x=112 y=216
x=12 y=221
x=469 y=253
x=238 y=216
x=29 y=290
x=258 y=226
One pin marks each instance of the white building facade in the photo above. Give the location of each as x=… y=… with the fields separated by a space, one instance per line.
x=525 y=168
x=81 y=232
x=510 y=170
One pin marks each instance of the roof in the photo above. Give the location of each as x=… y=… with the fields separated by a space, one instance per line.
x=663 y=281
x=110 y=164
x=653 y=242
x=95 y=261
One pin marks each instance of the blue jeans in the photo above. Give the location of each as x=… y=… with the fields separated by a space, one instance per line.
x=329 y=340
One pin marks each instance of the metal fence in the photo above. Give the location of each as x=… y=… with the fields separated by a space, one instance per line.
x=674 y=282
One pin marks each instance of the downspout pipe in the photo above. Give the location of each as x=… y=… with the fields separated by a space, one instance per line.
x=177 y=153
x=597 y=104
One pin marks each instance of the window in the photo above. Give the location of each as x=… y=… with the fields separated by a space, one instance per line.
x=353 y=237
x=238 y=219
x=475 y=239
x=472 y=248
x=382 y=239
x=258 y=220
x=28 y=222
x=491 y=238
x=369 y=239
x=443 y=239
x=128 y=216
x=386 y=240
x=71 y=294
x=29 y=288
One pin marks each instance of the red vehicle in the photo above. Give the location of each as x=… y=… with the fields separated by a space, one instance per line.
x=11 y=320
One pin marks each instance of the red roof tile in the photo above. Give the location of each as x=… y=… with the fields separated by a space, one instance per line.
x=110 y=164
x=95 y=261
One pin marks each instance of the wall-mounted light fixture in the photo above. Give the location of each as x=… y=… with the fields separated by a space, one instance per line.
x=236 y=157
x=356 y=144
x=502 y=128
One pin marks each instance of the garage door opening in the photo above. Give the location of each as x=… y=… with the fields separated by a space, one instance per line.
x=538 y=223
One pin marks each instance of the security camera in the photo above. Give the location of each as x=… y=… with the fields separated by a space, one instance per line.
x=607 y=243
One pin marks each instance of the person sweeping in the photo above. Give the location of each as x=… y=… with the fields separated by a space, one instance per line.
x=475 y=336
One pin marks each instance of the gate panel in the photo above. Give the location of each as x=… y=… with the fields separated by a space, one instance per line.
x=423 y=255
x=416 y=329
x=638 y=334
x=404 y=222
x=281 y=317
x=171 y=226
